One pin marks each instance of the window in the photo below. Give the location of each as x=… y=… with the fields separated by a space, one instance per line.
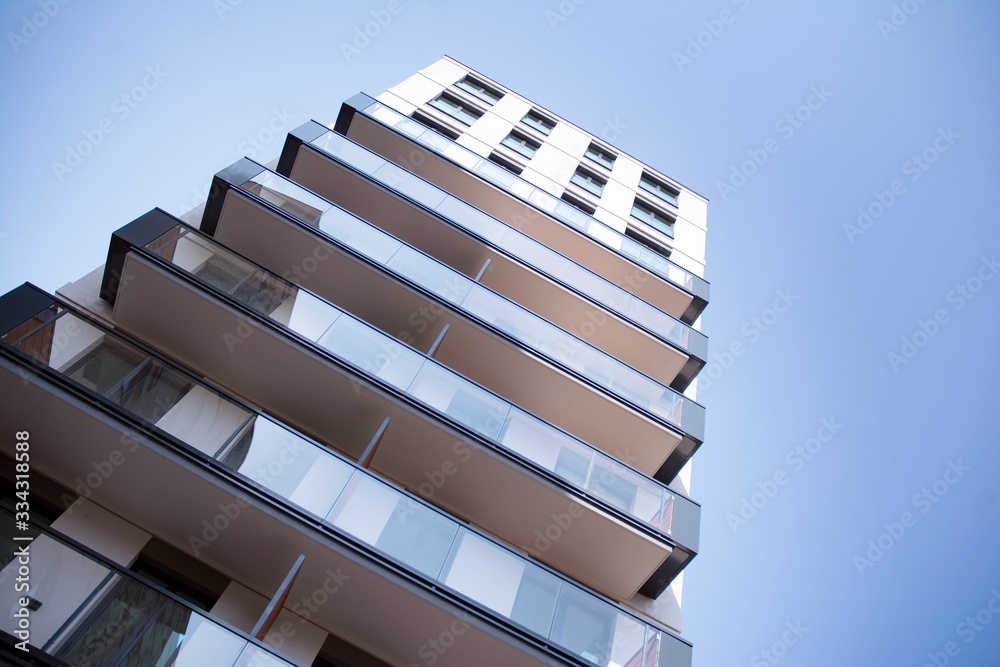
x=659 y=248
x=659 y=188
x=434 y=124
x=537 y=121
x=601 y=156
x=577 y=202
x=588 y=181
x=486 y=93
x=507 y=164
x=456 y=108
x=652 y=217
x=519 y=143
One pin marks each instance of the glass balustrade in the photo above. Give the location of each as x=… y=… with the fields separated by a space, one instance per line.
x=453 y=287
x=570 y=215
x=344 y=496
x=88 y=612
x=520 y=245
x=406 y=369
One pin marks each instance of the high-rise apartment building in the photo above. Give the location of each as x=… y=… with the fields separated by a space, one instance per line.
x=420 y=393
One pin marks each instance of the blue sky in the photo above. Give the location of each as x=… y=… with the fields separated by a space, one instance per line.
x=848 y=149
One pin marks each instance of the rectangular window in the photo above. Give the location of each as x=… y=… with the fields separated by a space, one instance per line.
x=589 y=181
x=657 y=187
x=652 y=217
x=577 y=202
x=456 y=108
x=434 y=124
x=519 y=143
x=537 y=121
x=486 y=93
x=507 y=164
x=601 y=156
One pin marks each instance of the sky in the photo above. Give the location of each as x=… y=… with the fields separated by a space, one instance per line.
x=849 y=478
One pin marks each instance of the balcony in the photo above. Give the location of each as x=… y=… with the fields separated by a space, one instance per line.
x=243 y=324
x=92 y=612
x=499 y=192
x=482 y=335
x=86 y=374
x=501 y=257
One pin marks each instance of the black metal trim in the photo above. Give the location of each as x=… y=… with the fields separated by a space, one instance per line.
x=303 y=134
x=21 y=304
x=139 y=232
x=235 y=174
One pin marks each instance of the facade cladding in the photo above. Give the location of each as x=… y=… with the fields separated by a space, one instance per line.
x=420 y=393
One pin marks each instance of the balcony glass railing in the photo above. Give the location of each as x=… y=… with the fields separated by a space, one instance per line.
x=86 y=611
x=599 y=367
x=345 y=497
x=359 y=344
x=423 y=379
x=526 y=249
x=557 y=208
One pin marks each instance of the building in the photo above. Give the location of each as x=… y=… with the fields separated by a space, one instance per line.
x=422 y=393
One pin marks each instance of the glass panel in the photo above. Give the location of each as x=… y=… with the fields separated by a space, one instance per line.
x=306 y=314
x=520 y=145
x=358 y=234
x=409 y=184
x=102 y=369
x=471 y=218
x=463 y=401
x=254 y=656
x=548 y=447
x=62 y=579
x=535 y=602
x=504 y=315
x=495 y=173
x=534 y=120
x=455 y=108
x=472 y=86
x=600 y=156
x=126 y=614
x=288 y=465
x=588 y=182
x=152 y=392
x=288 y=196
x=207 y=644
x=373 y=351
x=394 y=523
x=472 y=558
x=600 y=289
x=661 y=190
x=430 y=274
x=263 y=293
x=361 y=158
x=536 y=254
x=160 y=640
x=629 y=641
x=203 y=258
x=584 y=626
